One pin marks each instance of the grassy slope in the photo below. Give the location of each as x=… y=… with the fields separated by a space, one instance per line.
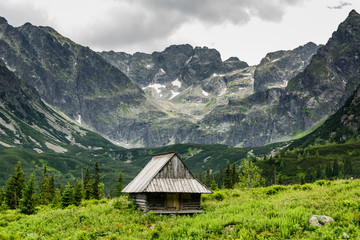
x=242 y=214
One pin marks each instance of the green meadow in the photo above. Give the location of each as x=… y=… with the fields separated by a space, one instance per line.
x=275 y=212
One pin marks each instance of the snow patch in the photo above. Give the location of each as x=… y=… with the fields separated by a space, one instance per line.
x=148 y=66
x=176 y=83
x=174 y=94
x=155 y=86
x=205 y=93
x=217 y=75
x=275 y=60
x=160 y=73
x=79 y=119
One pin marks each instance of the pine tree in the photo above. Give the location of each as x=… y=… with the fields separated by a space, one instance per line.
x=96 y=182
x=51 y=188
x=280 y=178
x=207 y=178
x=87 y=184
x=301 y=176
x=56 y=202
x=335 y=169
x=67 y=197
x=227 y=176
x=250 y=175
x=2 y=196
x=14 y=188
x=234 y=175
x=213 y=185
x=319 y=173
x=44 y=188
x=347 y=167
x=119 y=185
x=328 y=171
x=78 y=193
x=28 y=201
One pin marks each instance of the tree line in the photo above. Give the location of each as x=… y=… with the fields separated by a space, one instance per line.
x=19 y=194
x=247 y=174
x=290 y=167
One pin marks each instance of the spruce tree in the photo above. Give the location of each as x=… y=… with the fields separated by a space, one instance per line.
x=328 y=171
x=347 y=167
x=44 y=188
x=2 y=196
x=227 y=176
x=51 y=188
x=96 y=182
x=67 y=197
x=213 y=185
x=207 y=178
x=87 y=184
x=250 y=175
x=14 y=188
x=234 y=175
x=78 y=193
x=28 y=201
x=335 y=169
x=119 y=185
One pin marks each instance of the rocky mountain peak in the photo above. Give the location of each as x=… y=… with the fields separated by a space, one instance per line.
x=277 y=68
x=3 y=21
x=349 y=29
x=3 y=25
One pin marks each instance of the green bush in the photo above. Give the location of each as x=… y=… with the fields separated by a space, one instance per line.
x=306 y=187
x=275 y=189
x=320 y=182
x=219 y=196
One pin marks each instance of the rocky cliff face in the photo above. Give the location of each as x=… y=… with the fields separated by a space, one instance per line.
x=277 y=68
x=70 y=77
x=26 y=122
x=340 y=127
x=187 y=94
x=314 y=94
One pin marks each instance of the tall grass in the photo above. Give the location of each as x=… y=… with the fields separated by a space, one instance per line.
x=238 y=214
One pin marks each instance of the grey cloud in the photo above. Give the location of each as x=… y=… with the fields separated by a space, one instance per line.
x=17 y=13
x=146 y=22
x=340 y=6
x=157 y=19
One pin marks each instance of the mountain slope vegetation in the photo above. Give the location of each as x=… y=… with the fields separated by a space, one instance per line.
x=235 y=214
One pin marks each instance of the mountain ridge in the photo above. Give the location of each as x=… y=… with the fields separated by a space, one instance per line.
x=186 y=94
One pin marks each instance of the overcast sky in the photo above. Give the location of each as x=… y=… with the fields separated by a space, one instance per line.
x=247 y=29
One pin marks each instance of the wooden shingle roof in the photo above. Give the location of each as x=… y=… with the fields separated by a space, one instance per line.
x=153 y=179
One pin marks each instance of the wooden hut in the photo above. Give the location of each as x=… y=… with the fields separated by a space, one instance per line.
x=165 y=185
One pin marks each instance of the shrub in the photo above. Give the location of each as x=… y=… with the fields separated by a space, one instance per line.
x=320 y=182
x=275 y=189
x=219 y=196
x=306 y=187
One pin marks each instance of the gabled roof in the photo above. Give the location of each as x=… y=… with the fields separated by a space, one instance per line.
x=145 y=181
